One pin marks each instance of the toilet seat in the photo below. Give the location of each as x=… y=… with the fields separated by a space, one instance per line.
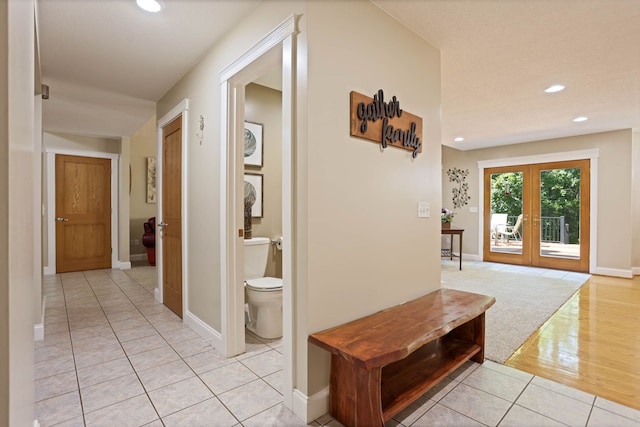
x=264 y=284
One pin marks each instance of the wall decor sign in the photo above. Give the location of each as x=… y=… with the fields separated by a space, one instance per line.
x=385 y=122
x=253 y=144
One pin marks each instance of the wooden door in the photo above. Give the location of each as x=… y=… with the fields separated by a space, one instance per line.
x=171 y=224
x=83 y=213
x=547 y=211
x=560 y=215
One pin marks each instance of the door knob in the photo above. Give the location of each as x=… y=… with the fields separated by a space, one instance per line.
x=60 y=219
x=162 y=225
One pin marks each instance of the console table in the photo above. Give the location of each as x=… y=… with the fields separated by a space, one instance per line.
x=383 y=362
x=451 y=232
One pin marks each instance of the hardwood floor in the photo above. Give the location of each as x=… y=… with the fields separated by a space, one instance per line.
x=592 y=342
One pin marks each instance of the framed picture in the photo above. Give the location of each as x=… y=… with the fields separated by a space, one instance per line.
x=253 y=193
x=151 y=180
x=253 y=147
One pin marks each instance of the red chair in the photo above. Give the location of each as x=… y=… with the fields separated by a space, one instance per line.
x=149 y=239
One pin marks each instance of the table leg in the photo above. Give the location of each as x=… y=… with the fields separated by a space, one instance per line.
x=460 y=250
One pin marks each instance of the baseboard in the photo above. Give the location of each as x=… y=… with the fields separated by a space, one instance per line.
x=627 y=274
x=123 y=265
x=157 y=296
x=138 y=257
x=312 y=407
x=635 y=271
x=38 y=328
x=471 y=257
x=48 y=271
x=205 y=331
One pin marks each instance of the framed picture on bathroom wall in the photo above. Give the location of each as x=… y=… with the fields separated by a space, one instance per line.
x=253 y=193
x=253 y=147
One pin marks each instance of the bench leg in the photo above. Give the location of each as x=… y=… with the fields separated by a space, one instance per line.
x=472 y=331
x=354 y=394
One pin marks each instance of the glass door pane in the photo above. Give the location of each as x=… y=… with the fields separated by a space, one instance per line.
x=559 y=216
x=506 y=212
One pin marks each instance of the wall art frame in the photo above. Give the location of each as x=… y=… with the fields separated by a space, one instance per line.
x=152 y=196
x=253 y=144
x=253 y=188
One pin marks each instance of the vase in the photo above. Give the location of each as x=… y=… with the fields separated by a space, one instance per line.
x=446 y=225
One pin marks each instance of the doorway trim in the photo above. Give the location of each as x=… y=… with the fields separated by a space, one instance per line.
x=263 y=55
x=50 y=209
x=592 y=155
x=182 y=108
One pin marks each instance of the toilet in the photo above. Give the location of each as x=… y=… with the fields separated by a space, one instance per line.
x=263 y=294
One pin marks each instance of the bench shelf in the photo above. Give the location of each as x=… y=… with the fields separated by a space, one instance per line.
x=382 y=363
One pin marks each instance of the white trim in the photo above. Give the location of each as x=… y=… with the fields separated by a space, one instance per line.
x=540 y=158
x=313 y=407
x=615 y=272
x=36 y=423
x=38 y=328
x=38 y=332
x=233 y=78
x=471 y=257
x=182 y=108
x=205 y=331
x=287 y=28
x=635 y=271
x=138 y=257
x=124 y=265
x=592 y=155
x=50 y=268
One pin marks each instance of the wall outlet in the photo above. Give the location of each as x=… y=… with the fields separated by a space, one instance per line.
x=473 y=209
x=136 y=242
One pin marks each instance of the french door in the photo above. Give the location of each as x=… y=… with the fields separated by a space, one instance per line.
x=538 y=215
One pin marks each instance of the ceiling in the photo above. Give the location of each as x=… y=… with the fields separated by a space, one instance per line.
x=107 y=62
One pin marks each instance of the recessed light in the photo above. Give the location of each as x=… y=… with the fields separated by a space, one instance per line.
x=581 y=119
x=149 y=5
x=554 y=88
x=458 y=139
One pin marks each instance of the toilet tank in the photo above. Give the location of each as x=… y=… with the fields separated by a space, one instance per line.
x=256 y=253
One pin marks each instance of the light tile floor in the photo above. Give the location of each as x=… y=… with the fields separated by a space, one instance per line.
x=112 y=356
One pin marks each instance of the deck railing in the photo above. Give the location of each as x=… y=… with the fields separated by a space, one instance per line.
x=553 y=229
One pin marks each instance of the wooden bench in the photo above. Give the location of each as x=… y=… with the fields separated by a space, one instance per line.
x=382 y=363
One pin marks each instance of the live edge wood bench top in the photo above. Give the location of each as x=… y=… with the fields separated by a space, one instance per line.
x=392 y=334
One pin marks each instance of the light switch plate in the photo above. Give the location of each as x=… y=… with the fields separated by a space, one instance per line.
x=424 y=210
x=473 y=209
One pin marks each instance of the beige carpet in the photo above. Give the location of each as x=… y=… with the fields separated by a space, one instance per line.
x=525 y=299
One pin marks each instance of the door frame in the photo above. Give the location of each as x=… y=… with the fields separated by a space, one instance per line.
x=182 y=108
x=591 y=154
x=50 y=209
x=262 y=56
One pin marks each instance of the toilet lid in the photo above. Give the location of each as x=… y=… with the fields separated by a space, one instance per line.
x=265 y=284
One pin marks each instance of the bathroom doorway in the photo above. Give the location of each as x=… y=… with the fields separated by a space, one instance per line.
x=277 y=49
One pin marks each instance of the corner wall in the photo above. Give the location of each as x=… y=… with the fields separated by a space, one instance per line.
x=366 y=248
x=17 y=213
x=614 y=189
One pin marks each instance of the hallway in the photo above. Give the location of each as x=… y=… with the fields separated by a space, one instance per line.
x=112 y=356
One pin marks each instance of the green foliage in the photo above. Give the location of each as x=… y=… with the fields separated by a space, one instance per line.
x=506 y=193
x=559 y=192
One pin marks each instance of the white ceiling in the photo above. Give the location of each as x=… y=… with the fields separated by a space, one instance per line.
x=107 y=62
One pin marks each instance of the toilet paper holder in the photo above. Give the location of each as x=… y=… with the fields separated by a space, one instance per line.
x=277 y=243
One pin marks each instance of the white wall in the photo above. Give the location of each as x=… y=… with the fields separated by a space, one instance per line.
x=614 y=189
x=367 y=250
x=17 y=214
